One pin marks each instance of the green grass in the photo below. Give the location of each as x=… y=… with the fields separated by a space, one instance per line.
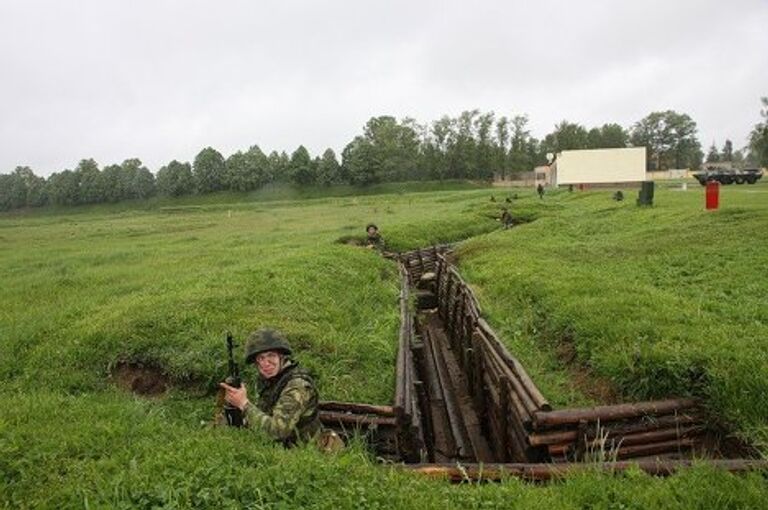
x=161 y=282
x=661 y=301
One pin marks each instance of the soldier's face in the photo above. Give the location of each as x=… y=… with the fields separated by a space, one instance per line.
x=269 y=363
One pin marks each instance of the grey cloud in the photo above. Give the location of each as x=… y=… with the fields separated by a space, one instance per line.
x=161 y=80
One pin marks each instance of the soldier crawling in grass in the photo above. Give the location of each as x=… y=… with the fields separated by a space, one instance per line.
x=287 y=405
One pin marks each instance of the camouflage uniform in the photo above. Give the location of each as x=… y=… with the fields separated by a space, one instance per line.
x=374 y=240
x=287 y=409
x=287 y=406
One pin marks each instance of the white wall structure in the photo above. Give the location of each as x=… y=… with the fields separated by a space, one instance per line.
x=599 y=166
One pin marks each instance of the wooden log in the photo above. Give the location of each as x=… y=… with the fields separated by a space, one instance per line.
x=354 y=407
x=446 y=299
x=515 y=434
x=547 y=471
x=614 y=430
x=545 y=419
x=403 y=344
x=641 y=450
x=508 y=431
x=439 y=269
x=528 y=404
x=516 y=366
x=474 y=303
x=651 y=437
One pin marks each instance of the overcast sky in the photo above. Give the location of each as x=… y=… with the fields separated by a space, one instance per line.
x=160 y=80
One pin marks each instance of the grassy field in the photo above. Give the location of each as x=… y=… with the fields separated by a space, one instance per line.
x=652 y=302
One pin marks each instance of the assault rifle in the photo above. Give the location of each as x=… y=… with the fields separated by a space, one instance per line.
x=232 y=414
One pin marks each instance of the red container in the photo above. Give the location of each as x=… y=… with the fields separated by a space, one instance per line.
x=713 y=195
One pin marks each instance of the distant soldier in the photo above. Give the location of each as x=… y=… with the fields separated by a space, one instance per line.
x=287 y=406
x=506 y=218
x=618 y=196
x=540 y=190
x=374 y=239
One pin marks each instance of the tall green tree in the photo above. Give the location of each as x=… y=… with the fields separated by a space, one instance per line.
x=208 y=169
x=247 y=170
x=21 y=188
x=63 y=188
x=279 y=167
x=112 y=175
x=758 y=138
x=670 y=140
x=393 y=148
x=92 y=187
x=443 y=138
x=713 y=156
x=502 y=140
x=302 y=168
x=13 y=189
x=387 y=151
x=328 y=169
x=727 y=152
x=567 y=136
x=7 y=195
x=485 y=147
x=462 y=154
x=138 y=181
x=175 y=179
x=607 y=136
x=357 y=161
x=519 y=158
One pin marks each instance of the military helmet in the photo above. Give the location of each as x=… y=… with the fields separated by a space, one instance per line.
x=371 y=225
x=265 y=340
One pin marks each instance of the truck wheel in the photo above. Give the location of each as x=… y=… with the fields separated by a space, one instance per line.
x=751 y=180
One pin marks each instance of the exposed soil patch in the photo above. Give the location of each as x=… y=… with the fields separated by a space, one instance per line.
x=598 y=389
x=589 y=384
x=351 y=240
x=144 y=380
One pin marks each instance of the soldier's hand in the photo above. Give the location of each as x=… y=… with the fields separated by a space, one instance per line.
x=237 y=397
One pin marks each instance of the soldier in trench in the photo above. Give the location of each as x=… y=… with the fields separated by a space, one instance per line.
x=287 y=404
x=373 y=239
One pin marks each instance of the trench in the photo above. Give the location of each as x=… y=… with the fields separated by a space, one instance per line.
x=465 y=408
x=462 y=398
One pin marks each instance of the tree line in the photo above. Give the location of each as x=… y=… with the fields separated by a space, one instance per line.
x=473 y=145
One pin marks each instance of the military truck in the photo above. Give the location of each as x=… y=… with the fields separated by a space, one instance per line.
x=729 y=176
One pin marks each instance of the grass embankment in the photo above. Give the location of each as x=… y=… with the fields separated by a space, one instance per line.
x=661 y=301
x=161 y=284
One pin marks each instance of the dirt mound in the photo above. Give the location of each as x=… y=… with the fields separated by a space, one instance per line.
x=145 y=380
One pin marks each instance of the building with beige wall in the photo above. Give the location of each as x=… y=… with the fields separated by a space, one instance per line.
x=599 y=166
